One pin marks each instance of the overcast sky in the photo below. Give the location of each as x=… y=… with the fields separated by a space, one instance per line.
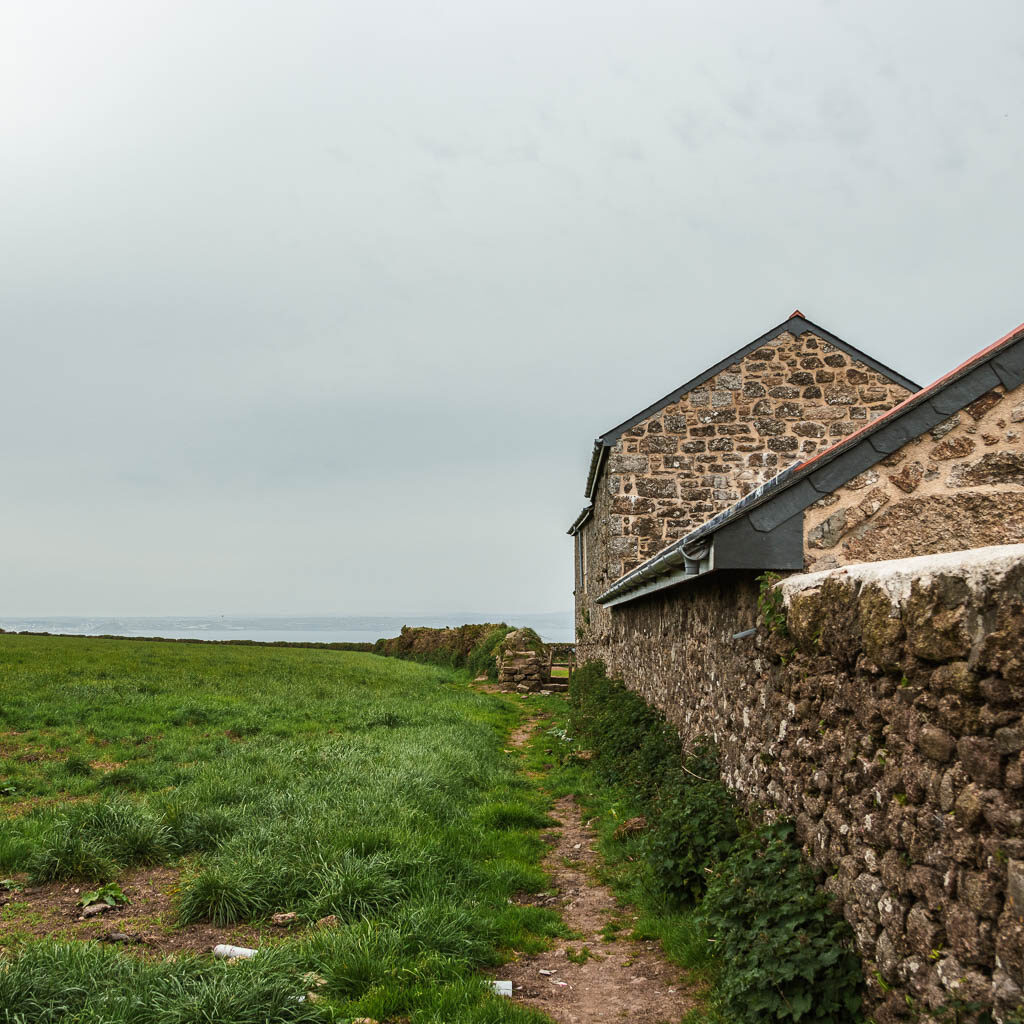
x=316 y=307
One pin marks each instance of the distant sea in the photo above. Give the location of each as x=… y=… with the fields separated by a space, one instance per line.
x=554 y=627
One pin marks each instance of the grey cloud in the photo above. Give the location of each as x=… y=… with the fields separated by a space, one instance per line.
x=844 y=117
x=325 y=313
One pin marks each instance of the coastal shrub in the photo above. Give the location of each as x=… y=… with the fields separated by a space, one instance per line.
x=446 y=648
x=789 y=955
x=482 y=659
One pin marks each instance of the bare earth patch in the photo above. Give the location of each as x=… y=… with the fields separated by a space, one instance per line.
x=146 y=924
x=15 y=808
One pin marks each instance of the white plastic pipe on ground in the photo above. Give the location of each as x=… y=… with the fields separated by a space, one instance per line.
x=233 y=952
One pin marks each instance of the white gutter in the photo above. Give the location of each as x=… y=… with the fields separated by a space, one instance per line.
x=674 y=565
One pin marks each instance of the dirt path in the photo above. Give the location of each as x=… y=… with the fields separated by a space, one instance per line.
x=617 y=980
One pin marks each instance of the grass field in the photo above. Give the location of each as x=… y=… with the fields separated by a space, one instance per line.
x=369 y=791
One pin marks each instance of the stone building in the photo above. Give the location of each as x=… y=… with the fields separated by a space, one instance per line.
x=654 y=478
x=886 y=714
x=941 y=471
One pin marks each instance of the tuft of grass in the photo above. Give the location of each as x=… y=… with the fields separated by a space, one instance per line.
x=47 y=983
x=76 y=765
x=581 y=955
x=509 y=814
x=66 y=853
x=128 y=833
x=220 y=896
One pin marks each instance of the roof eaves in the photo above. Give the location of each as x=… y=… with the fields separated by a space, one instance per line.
x=738 y=547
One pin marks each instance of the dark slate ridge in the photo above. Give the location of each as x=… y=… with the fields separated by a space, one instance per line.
x=798 y=487
x=796 y=325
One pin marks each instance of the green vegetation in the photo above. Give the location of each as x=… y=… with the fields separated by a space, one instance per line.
x=581 y=955
x=110 y=894
x=373 y=793
x=482 y=660
x=790 y=954
x=471 y=647
x=627 y=867
x=325 y=784
x=701 y=876
x=770 y=604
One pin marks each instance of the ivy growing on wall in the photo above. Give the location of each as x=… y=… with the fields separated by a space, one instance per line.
x=770 y=605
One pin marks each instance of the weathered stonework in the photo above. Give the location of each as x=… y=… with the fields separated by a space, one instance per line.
x=960 y=485
x=889 y=723
x=524 y=671
x=787 y=400
x=522 y=660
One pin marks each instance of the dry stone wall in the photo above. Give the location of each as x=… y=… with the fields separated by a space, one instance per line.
x=787 y=400
x=889 y=723
x=522 y=661
x=960 y=485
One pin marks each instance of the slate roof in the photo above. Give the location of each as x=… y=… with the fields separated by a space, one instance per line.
x=796 y=324
x=776 y=502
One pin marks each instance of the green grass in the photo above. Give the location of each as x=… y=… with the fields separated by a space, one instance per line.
x=317 y=782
